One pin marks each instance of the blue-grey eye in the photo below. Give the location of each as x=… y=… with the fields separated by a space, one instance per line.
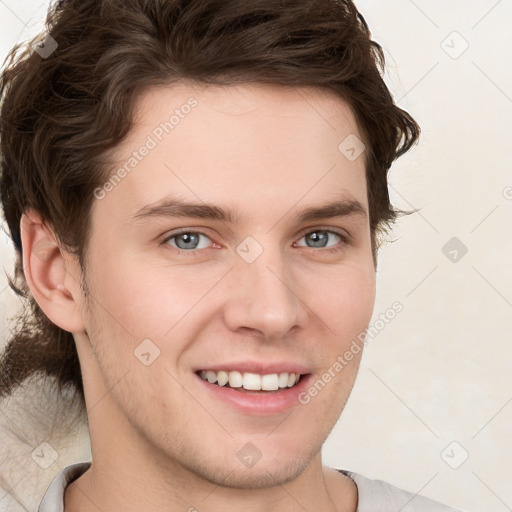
x=319 y=238
x=188 y=240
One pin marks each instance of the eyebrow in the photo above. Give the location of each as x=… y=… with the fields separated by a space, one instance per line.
x=177 y=208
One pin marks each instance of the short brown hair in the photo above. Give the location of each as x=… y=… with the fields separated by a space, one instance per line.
x=62 y=112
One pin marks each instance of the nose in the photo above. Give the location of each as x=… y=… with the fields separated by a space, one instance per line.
x=264 y=299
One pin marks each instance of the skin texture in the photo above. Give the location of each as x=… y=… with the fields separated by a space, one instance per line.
x=158 y=442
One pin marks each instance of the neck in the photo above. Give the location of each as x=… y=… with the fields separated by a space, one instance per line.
x=132 y=483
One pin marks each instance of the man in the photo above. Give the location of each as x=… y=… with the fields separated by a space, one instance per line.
x=195 y=190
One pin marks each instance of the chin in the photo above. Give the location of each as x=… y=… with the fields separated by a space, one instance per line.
x=260 y=476
x=253 y=468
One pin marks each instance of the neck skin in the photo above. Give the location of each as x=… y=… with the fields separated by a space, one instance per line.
x=326 y=490
x=130 y=474
x=135 y=479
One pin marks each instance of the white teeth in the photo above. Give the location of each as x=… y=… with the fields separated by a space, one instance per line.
x=222 y=378
x=251 y=381
x=283 y=380
x=270 y=382
x=235 y=379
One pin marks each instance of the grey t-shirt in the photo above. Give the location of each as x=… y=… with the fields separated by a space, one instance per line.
x=374 y=495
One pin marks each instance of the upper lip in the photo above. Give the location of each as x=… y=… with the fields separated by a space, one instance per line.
x=262 y=368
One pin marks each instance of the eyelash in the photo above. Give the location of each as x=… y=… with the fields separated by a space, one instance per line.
x=344 y=240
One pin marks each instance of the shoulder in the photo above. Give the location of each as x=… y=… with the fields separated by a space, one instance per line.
x=380 y=496
x=42 y=431
x=53 y=500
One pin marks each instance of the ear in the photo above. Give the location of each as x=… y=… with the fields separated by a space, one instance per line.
x=46 y=274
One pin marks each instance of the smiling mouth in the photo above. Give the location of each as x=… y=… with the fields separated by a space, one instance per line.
x=246 y=382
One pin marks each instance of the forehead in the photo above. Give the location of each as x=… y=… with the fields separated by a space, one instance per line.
x=223 y=143
x=240 y=99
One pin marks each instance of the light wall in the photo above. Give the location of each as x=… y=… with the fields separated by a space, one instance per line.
x=435 y=383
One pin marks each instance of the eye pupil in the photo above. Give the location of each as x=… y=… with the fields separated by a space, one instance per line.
x=188 y=238
x=319 y=238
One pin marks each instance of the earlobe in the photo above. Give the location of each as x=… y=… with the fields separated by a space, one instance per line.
x=45 y=272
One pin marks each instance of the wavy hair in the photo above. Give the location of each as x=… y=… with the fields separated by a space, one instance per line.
x=66 y=105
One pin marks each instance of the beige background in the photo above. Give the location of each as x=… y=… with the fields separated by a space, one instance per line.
x=435 y=384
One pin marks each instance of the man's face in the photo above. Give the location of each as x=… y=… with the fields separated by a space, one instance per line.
x=263 y=288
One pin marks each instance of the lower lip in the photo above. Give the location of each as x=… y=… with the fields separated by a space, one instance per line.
x=259 y=403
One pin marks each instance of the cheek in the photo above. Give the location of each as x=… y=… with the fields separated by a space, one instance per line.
x=343 y=299
x=148 y=300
